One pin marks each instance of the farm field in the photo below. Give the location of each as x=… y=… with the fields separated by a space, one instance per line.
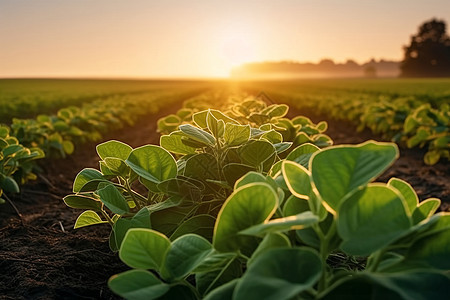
x=43 y=256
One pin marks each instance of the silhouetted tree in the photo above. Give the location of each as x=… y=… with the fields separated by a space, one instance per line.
x=429 y=52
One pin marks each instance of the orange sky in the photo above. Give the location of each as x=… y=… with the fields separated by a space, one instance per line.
x=145 y=38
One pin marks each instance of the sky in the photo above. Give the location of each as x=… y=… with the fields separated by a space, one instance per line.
x=199 y=39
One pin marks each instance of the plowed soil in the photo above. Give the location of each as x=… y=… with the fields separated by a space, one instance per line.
x=43 y=257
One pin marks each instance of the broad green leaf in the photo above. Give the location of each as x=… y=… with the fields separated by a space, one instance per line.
x=144 y=249
x=339 y=171
x=11 y=149
x=202 y=225
x=84 y=176
x=83 y=202
x=272 y=276
x=168 y=220
x=216 y=127
x=406 y=191
x=272 y=136
x=247 y=206
x=113 y=199
x=250 y=177
x=425 y=209
x=68 y=147
x=117 y=166
x=297 y=179
x=371 y=219
x=114 y=149
x=210 y=280
x=173 y=143
x=202 y=166
x=296 y=222
x=199 y=118
x=234 y=171
x=152 y=163
x=184 y=255
x=270 y=241
x=411 y=284
x=138 y=285
x=9 y=185
x=88 y=218
x=278 y=110
x=302 y=154
x=214 y=261
x=256 y=152
x=433 y=248
x=197 y=134
x=236 y=135
x=140 y=220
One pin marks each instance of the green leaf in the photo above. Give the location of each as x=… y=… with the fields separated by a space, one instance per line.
x=234 y=171
x=236 y=135
x=84 y=176
x=250 y=177
x=113 y=199
x=371 y=219
x=297 y=179
x=339 y=171
x=210 y=280
x=83 y=202
x=406 y=191
x=197 y=134
x=152 y=163
x=216 y=127
x=270 y=241
x=278 y=110
x=272 y=276
x=256 y=152
x=411 y=284
x=425 y=209
x=9 y=185
x=185 y=254
x=272 y=136
x=144 y=249
x=117 y=166
x=302 y=154
x=202 y=225
x=138 y=285
x=247 y=206
x=140 y=220
x=296 y=222
x=114 y=149
x=432 y=157
x=433 y=248
x=68 y=147
x=202 y=166
x=88 y=218
x=200 y=117
x=223 y=292
x=173 y=143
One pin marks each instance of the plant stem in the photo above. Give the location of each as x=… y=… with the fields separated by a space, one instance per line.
x=374 y=261
x=220 y=274
x=107 y=218
x=14 y=207
x=192 y=288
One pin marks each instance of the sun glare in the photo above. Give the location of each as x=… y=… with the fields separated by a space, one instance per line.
x=237 y=47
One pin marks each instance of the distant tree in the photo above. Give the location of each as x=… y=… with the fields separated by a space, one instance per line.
x=428 y=55
x=370 y=71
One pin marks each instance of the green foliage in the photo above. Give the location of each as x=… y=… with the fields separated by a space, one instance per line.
x=260 y=247
x=16 y=163
x=412 y=113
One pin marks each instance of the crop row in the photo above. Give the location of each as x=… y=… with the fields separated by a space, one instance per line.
x=238 y=204
x=26 y=98
x=27 y=140
x=408 y=120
